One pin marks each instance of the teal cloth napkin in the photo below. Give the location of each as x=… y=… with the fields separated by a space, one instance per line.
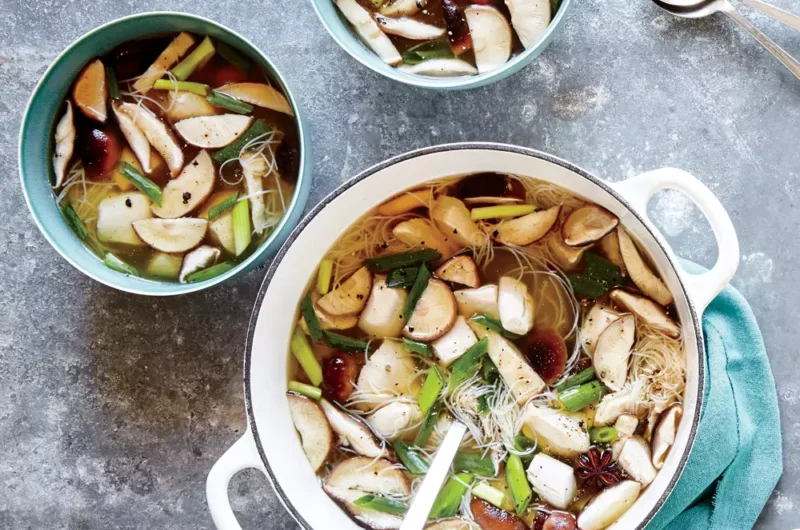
x=736 y=460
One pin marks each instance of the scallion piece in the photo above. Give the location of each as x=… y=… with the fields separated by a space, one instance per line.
x=427 y=426
x=74 y=220
x=222 y=207
x=489 y=371
x=418 y=347
x=474 y=463
x=142 y=183
x=523 y=444
x=467 y=365
x=381 y=504
x=484 y=491
x=307 y=390
x=498 y=212
x=241 y=226
x=218 y=99
x=345 y=343
x=603 y=435
x=324 y=276
x=579 y=397
x=232 y=56
x=431 y=388
x=518 y=483
x=584 y=376
x=199 y=56
x=113 y=84
x=302 y=351
x=420 y=283
x=493 y=324
x=449 y=498
x=403 y=277
x=259 y=128
x=310 y=316
x=413 y=462
x=404 y=259
x=116 y=264
x=210 y=272
x=182 y=86
x=427 y=50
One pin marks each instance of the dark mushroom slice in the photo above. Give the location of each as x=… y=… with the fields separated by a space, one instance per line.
x=613 y=351
x=353 y=432
x=490 y=189
x=457 y=27
x=490 y=517
x=560 y=521
x=339 y=373
x=461 y=270
x=640 y=272
x=587 y=225
x=546 y=352
x=99 y=148
x=609 y=505
x=65 y=144
x=648 y=311
x=434 y=314
x=664 y=434
x=315 y=431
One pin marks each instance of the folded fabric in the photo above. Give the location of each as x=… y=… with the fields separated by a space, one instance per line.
x=736 y=459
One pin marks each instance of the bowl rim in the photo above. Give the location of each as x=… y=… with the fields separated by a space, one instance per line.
x=462 y=146
x=515 y=64
x=266 y=247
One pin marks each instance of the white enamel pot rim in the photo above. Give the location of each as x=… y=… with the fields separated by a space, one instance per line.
x=271 y=444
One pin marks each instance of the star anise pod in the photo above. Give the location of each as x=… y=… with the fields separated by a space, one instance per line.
x=598 y=470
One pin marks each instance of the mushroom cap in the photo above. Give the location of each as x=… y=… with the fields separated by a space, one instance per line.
x=408 y=28
x=515 y=304
x=135 y=137
x=528 y=228
x=490 y=517
x=491 y=36
x=626 y=401
x=640 y=272
x=587 y=225
x=595 y=323
x=368 y=29
x=157 y=134
x=664 y=434
x=188 y=190
x=212 y=132
x=461 y=270
x=402 y=7
x=613 y=351
x=647 y=310
x=171 y=235
x=609 y=505
x=434 y=314
x=609 y=246
x=350 y=297
x=198 y=259
x=530 y=19
x=315 y=431
x=65 y=144
x=353 y=432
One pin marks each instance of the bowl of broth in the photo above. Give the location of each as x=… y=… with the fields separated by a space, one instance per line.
x=176 y=157
x=492 y=285
x=443 y=44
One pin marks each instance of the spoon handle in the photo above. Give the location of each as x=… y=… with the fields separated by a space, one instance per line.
x=778 y=14
x=788 y=61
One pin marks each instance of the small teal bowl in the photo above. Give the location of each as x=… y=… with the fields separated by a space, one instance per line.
x=341 y=32
x=36 y=144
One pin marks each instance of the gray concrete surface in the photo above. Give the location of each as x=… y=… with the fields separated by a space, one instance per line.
x=113 y=407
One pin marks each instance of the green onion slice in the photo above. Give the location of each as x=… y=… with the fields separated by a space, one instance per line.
x=74 y=220
x=344 y=343
x=302 y=351
x=420 y=284
x=381 y=504
x=310 y=316
x=312 y=392
x=113 y=84
x=431 y=388
x=218 y=99
x=413 y=462
x=259 y=128
x=404 y=259
x=114 y=263
x=223 y=206
x=210 y=272
x=603 y=435
x=142 y=183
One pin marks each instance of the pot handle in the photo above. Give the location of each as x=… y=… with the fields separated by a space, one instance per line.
x=702 y=288
x=242 y=455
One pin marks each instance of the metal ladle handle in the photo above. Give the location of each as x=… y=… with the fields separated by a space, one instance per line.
x=788 y=61
x=778 y=14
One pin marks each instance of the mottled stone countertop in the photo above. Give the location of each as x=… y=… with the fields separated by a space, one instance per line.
x=113 y=407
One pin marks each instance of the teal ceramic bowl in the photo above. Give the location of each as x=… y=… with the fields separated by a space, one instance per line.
x=36 y=147
x=341 y=32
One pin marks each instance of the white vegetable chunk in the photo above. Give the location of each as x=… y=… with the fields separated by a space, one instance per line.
x=440 y=68
x=368 y=29
x=200 y=258
x=395 y=418
x=561 y=434
x=254 y=167
x=530 y=19
x=516 y=306
x=609 y=505
x=523 y=381
x=491 y=36
x=635 y=459
x=389 y=372
x=383 y=316
x=213 y=132
x=481 y=300
x=350 y=296
x=626 y=401
x=116 y=215
x=455 y=342
x=408 y=28
x=553 y=480
x=65 y=144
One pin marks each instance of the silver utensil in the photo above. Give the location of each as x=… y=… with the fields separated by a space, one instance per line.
x=420 y=508
x=704 y=8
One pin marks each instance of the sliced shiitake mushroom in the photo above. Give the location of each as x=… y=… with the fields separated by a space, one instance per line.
x=455 y=342
x=353 y=432
x=402 y=7
x=389 y=372
x=182 y=105
x=480 y=300
x=457 y=28
x=368 y=29
x=408 y=28
x=315 y=431
x=394 y=419
x=553 y=480
x=562 y=434
x=515 y=304
x=200 y=258
x=640 y=272
x=609 y=246
x=599 y=317
x=626 y=401
x=490 y=188
x=530 y=19
x=453 y=217
x=135 y=137
x=406 y=202
x=664 y=434
x=609 y=505
x=546 y=352
x=461 y=270
x=89 y=92
x=490 y=517
x=65 y=144
x=350 y=297
x=339 y=374
x=648 y=311
x=520 y=377
x=213 y=132
x=188 y=190
x=635 y=459
x=384 y=314
x=613 y=351
x=560 y=521
x=491 y=36
x=528 y=228
x=420 y=232
x=565 y=256
x=157 y=134
x=434 y=314
x=171 y=235
x=587 y=225
x=260 y=95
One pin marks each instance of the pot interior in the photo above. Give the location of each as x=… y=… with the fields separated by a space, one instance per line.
x=275 y=315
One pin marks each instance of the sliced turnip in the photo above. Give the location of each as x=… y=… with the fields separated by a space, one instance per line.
x=395 y=418
x=457 y=28
x=408 y=28
x=518 y=375
x=353 y=432
x=664 y=434
x=475 y=301
x=172 y=235
x=587 y=225
x=389 y=372
x=609 y=505
x=613 y=351
x=368 y=29
x=453 y=217
x=565 y=256
x=528 y=228
x=491 y=36
x=116 y=215
x=553 y=480
x=260 y=95
x=420 y=232
x=65 y=144
x=636 y=461
x=200 y=258
x=455 y=342
x=157 y=134
x=516 y=305
x=183 y=105
x=360 y=476
x=434 y=314
x=640 y=272
x=135 y=137
x=599 y=317
x=384 y=314
x=174 y=51
x=440 y=68
x=561 y=434
x=648 y=311
x=530 y=19
x=609 y=246
x=460 y=269
x=254 y=168
x=189 y=190
x=315 y=431
x=399 y=8
x=626 y=401
x=212 y=132
x=350 y=297
x=89 y=92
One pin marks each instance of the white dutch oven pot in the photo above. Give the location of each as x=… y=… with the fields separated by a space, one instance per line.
x=271 y=444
